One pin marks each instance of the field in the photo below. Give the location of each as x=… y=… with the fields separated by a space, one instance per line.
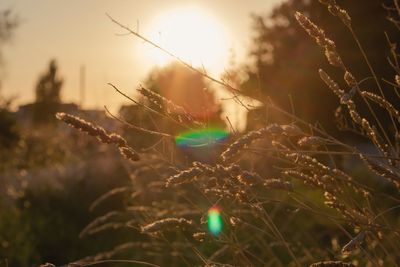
x=313 y=179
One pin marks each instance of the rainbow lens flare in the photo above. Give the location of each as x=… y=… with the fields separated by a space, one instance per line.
x=201 y=137
x=214 y=220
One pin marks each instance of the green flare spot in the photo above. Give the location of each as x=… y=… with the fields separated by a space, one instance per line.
x=201 y=137
x=214 y=219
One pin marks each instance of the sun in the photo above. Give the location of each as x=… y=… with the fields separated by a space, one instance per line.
x=191 y=34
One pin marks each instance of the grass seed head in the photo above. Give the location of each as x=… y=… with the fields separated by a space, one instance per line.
x=100 y=133
x=332 y=264
x=311 y=141
x=349 y=78
x=353 y=243
x=167 y=224
x=397 y=79
x=291 y=130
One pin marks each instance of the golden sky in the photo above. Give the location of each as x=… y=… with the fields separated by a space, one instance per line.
x=77 y=32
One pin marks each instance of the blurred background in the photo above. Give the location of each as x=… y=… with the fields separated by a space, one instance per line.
x=60 y=55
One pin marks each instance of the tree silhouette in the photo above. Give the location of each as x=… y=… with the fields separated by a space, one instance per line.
x=9 y=135
x=187 y=89
x=286 y=59
x=8 y=24
x=48 y=97
x=180 y=98
x=49 y=86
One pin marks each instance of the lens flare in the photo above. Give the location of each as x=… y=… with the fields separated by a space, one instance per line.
x=214 y=219
x=201 y=137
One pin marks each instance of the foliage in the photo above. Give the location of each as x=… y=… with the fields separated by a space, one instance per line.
x=185 y=88
x=288 y=193
x=49 y=86
x=280 y=50
x=48 y=97
x=8 y=23
x=47 y=189
x=284 y=197
x=180 y=95
x=9 y=133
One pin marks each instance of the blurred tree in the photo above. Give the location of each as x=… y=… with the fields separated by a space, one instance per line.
x=49 y=86
x=184 y=88
x=187 y=89
x=8 y=24
x=181 y=86
x=48 y=95
x=286 y=59
x=9 y=134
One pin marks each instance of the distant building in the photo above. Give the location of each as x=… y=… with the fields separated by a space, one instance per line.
x=25 y=115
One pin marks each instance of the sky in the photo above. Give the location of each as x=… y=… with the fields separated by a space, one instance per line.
x=78 y=33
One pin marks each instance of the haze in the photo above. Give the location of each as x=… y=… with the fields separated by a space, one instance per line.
x=78 y=33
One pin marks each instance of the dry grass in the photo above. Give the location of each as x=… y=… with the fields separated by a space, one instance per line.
x=261 y=214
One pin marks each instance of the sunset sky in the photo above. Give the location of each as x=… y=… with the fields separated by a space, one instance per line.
x=77 y=33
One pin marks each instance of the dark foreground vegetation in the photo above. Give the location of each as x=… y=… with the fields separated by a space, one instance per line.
x=313 y=181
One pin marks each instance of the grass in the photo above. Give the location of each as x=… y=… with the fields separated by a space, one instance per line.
x=307 y=210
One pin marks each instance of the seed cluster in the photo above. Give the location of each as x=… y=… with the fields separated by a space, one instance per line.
x=100 y=133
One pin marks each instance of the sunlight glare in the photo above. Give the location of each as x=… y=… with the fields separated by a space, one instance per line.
x=201 y=137
x=192 y=35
